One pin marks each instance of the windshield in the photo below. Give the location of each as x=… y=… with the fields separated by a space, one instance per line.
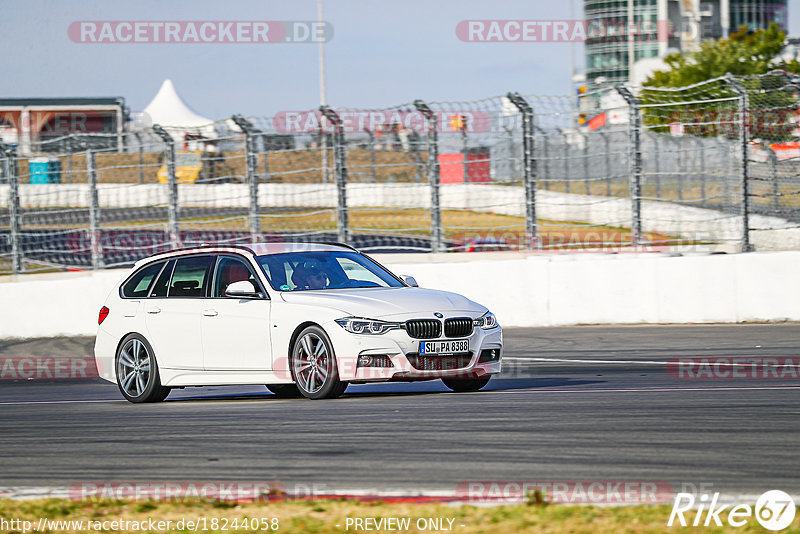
x=300 y=271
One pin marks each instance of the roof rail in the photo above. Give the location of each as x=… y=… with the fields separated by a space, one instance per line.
x=201 y=246
x=336 y=244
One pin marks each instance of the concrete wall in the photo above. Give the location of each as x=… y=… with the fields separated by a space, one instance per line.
x=534 y=290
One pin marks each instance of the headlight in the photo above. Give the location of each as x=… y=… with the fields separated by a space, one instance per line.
x=487 y=321
x=359 y=325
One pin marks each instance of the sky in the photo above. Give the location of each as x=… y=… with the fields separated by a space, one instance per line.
x=381 y=53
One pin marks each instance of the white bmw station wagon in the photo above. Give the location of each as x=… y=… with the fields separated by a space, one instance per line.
x=302 y=319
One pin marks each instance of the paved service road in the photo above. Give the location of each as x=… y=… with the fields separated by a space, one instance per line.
x=577 y=403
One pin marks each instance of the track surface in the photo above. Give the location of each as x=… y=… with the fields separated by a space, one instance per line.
x=602 y=408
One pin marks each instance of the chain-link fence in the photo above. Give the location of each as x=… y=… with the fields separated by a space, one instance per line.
x=713 y=165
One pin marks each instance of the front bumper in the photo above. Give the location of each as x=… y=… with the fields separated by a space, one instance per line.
x=403 y=352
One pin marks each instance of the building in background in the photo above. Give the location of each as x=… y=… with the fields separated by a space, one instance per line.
x=663 y=26
x=35 y=125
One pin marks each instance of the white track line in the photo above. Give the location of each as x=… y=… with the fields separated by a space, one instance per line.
x=12 y=403
x=566 y=360
x=642 y=390
x=678 y=361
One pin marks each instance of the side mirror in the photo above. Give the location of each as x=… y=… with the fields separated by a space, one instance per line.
x=409 y=280
x=244 y=289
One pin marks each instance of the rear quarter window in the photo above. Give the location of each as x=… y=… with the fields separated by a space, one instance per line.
x=139 y=284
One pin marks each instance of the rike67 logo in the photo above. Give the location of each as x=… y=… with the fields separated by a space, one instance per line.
x=774 y=510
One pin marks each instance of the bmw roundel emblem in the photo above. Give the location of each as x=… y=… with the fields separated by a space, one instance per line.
x=439 y=315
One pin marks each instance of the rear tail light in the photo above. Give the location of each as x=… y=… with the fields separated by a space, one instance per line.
x=103 y=314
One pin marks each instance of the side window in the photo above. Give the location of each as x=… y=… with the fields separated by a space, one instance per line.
x=191 y=276
x=139 y=284
x=162 y=284
x=230 y=270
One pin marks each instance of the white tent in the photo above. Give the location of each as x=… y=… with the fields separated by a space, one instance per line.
x=170 y=111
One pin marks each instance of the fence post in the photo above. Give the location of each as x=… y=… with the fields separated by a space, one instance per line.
x=12 y=177
x=94 y=211
x=340 y=164
x=636 y=163
x=252 y=173
x=744 y=164
x=437 y=241
x=529 y=168
x=465 y=149
x=172 y=185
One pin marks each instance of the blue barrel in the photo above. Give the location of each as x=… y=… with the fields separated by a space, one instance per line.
x=45 y=170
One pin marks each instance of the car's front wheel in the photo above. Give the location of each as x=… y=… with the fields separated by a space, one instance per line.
x=314 y=368
x=461 y=385
x=137 y=371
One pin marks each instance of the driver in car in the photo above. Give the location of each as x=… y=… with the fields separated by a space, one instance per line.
x=310 y=275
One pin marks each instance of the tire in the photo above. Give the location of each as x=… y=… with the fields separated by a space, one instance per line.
x=313 y=365
x=285 y=391
x=462 y=385
x=137 y=371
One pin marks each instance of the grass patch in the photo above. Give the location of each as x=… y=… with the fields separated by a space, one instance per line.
x=330 y=516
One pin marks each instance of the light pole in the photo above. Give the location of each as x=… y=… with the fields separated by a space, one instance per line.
x=323 y=100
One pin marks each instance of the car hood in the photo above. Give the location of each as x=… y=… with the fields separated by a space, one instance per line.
x=377 y=303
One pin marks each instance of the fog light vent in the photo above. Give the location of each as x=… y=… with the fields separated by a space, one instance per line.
x=375 y=360
x=489 y=355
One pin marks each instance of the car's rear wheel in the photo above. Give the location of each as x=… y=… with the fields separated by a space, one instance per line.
x=461 y=385
x=285 y=391
x=314 y=368
x=137 y=371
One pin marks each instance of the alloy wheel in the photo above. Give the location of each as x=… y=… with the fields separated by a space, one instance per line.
x=133 y=366
x=311 y=362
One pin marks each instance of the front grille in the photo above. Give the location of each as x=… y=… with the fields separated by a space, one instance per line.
x=458 y=327
x=424 y=328
x=439 y=363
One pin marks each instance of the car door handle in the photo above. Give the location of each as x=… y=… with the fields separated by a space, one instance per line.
x=154 y=309
x=210 y=313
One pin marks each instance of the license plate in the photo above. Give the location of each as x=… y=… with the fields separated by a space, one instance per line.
x=453 y=346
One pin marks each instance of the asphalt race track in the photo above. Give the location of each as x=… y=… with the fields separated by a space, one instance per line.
x=573 y=404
